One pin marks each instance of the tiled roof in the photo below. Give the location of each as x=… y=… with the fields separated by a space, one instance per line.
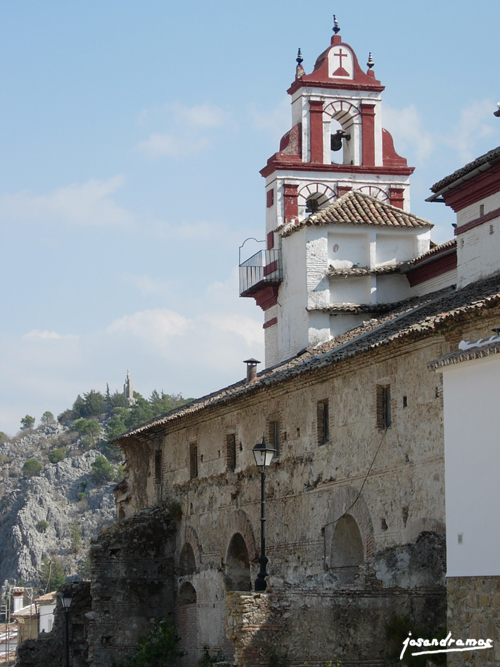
x=47 y=598
x=354 y=308
x=482 y=349
x=436 y=250
x=363 y=270
x=357 y=208
x=414 y=318
x=25 y=612
x=485 y=160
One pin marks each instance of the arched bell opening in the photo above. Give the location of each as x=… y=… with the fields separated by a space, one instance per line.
x=237 y=565
x=340 y=144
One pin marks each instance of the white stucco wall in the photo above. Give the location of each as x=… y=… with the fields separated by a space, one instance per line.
x=434 y=284
x=392 y=288
x=46 y=618
x=472 y=465
x=478 y=252
x=292 y=313
x=348 y=249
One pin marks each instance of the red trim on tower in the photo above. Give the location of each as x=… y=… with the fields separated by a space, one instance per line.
x=368 y=134
x=397 y=197
x=316 y=130
x=432 y=269
x=270 y=323
x=343 y=190
x=389 y=156
x=477 y=221
x=271 y=268
x=267 y=296
x=270 y=198
x=473 y=190
x=274 y=165
x=270 y=240
x=291 y=196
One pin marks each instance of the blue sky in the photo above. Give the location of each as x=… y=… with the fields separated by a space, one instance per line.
x=132 y=134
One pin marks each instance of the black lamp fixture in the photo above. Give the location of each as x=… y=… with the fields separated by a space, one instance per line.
x=66 y=601
x=263 y=454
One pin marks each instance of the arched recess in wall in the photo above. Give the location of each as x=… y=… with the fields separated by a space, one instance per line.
x=347 y=550
x=187 y=624
x=314 y=197
x=188 y=555
x=237 y=576
x=342 y=115
x=238 y=522
x=358 y=526
x=374 y=191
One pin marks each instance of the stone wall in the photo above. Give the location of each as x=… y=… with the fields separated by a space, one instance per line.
x=474 y=613
x=132 y=583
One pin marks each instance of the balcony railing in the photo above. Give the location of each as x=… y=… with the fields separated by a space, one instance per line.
x=262 y=268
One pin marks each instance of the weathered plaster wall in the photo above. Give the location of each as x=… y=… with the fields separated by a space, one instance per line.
x=473 y=613
x=390 y=483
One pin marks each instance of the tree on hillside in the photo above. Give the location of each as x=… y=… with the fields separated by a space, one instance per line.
x=31 y=467
x=3 y=437
x=57 y=455
x=91 y=405
x=102 y=470
x=27 y=423
x=47 y=418
x=52 y=574
x=89 y=429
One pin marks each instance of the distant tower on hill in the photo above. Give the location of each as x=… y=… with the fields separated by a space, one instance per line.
x=338 y=221
x=128 y=390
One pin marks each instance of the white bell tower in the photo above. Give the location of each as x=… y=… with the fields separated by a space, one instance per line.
x=336 y=156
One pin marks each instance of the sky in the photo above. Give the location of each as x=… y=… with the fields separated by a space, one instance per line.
x=132 y=133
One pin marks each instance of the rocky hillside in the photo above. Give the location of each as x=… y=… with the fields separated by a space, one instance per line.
x=52 y=512
x=57 y=481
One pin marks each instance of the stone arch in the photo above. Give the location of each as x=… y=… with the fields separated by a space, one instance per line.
x=237 y=565
x=323 y=194
x=188 y=537
x=187 y=624
x=374 y=191
x=238 y=522
x=187 y=561
x=346 y=502
x=187 y=593
x=347 y=550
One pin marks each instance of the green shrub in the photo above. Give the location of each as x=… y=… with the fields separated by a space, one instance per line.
x=42 y=526
x=57 y=455
x=27 y=423
x=31 y=467
x=76 y=537
x=102 y=470
x=158 y=648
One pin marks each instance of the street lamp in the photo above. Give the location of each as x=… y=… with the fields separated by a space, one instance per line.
x=263 y=454
x=66 y=601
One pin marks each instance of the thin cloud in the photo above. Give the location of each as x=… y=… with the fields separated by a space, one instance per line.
x=407 y=129
x=474 y=125
x=190 y=127
x=154 y=326
x=79 y=204
x=275 y=122
x=46 y=336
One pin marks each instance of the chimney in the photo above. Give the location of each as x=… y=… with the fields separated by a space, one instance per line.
x=251 y=369
x=18 y=595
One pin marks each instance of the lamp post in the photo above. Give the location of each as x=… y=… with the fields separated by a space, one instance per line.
x=263 y=454
x=66 y=601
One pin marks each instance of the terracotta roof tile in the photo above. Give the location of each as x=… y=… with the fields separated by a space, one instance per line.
x=358 y=208
x=491 y=156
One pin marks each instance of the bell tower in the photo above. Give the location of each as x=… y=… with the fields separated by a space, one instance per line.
x=337 y=154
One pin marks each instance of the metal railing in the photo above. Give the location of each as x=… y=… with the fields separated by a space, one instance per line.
x=263 y=267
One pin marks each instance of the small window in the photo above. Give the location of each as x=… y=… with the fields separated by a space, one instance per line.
x=231 y=451
x=384 y=417
x=193 y=460
x=274 y=437
x=158 y=466
x=323 y=422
